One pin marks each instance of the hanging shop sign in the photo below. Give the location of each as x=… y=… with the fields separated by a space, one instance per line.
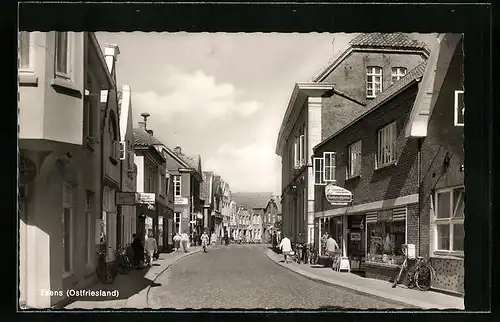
x=181 y=201
x=459 y=110
x=126 y=198
x=337 y=196
x=277 y=225
x=27 y=170
x=143 y=197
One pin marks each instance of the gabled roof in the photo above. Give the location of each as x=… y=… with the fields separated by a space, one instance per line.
x=373 y=41
x=387 y=41
x=143 y=138
x=411 y=77
x=251 y=200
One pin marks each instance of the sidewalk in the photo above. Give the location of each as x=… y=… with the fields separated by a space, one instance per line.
x=374 y=287
x=132 y=288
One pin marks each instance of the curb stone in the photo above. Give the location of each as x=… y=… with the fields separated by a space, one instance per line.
x=360 y=290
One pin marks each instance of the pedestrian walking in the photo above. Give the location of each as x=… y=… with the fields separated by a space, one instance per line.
x=286 y=247
x=323 y=243
x=177 y=242
x=213 y=238
x=332 y=250
x=184 y=241
x=151 y=248
x=138 y=248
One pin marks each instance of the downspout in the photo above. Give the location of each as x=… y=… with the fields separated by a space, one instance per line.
x=102 y=158
x=419 y=181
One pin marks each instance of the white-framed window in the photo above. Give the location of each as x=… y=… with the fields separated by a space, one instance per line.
x=63 y=54
x=177 y=222
x=67 y=227
x=177 y=186
x=373 y=81
x=25 y=51
x=296 y=152
x=386 y=152
x=329 y=166
x=397 y=73
x=448 y=220
x=354 y=162
x=89 y=223
x=318 y=169
x=302 y=150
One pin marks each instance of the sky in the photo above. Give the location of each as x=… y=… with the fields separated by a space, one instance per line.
x=221 y=95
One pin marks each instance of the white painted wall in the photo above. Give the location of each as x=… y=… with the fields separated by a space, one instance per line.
x=139 y=162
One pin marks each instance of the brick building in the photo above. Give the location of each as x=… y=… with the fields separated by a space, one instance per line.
x=373 y=159
x=437 y=122
x=338 y=94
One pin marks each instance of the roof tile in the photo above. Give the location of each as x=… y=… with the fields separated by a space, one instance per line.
x=387 y=40
x=142 y=138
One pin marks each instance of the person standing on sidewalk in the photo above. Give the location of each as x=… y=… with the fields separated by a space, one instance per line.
x=332 y=250
x=151 y=248
x=185 y=241
x=177 y=242
x=286 y=247
x=138 y=250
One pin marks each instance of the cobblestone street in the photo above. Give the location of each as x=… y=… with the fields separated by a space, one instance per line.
x=240 y=276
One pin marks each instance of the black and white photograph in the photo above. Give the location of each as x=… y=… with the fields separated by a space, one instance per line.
x=178 y=170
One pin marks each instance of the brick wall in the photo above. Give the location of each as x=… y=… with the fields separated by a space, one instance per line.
x=350 y=78
x=442 y=138
x=381 y=184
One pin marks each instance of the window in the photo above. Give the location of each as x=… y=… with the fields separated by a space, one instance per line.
x=63 y=57
x=24 y=50
x=373 y=81
x=384 y=241
x=354 y=162
x=386 y=153
x=89 y=222
x=449 y=220
x=398 y=73
x=67 y=225
x=319 y=171
x=329 y=166
x=302 y=151
x=177 y=185
x=151 y=178
x=296 y=153
x=122 y=152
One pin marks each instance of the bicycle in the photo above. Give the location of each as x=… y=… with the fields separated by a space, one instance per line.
x=421 y=276
x=106 y=272
x=123 y=262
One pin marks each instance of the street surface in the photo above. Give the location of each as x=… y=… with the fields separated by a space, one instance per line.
x=241 y=276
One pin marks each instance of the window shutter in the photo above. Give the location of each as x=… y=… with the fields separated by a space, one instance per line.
x=122 y=151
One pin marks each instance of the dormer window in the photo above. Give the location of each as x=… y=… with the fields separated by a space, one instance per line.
x=397 y=73
x=373 y=81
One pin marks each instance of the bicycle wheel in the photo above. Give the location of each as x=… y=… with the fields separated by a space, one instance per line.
x=423 y=278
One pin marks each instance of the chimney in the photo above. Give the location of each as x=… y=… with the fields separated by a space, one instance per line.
x=177 y=150
x=111 y=53
x=142 y=125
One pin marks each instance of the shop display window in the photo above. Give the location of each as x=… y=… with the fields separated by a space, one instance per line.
x=385 y=241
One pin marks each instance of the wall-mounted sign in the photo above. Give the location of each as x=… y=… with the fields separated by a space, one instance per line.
x=27 y=170
x=355 y=236
x=337 y=196
x=385 y=215
x=144 y=197
x=181 y=201
x=126 y=198
x=459 y=109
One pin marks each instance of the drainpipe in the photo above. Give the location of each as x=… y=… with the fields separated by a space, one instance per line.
x=419 y=180
x=103 y=124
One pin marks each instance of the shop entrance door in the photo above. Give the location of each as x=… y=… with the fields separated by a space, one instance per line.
x=356 y=242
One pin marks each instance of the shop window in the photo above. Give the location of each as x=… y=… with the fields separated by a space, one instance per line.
x=448 y=220
x=354 y=159
x=385 y=240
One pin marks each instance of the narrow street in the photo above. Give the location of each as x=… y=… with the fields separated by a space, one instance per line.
x=241 y=276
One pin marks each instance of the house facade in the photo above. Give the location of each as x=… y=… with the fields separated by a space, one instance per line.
x=269 y=219
x=437 y=123
x=372 y=158
x=61 y=75
x=152 y=186
x=339 y=93
x=127 y=219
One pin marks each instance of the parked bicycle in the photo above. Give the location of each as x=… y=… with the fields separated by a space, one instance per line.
x=313 y=255
x=105 y=271
x=420 y=276
x=123 y=262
